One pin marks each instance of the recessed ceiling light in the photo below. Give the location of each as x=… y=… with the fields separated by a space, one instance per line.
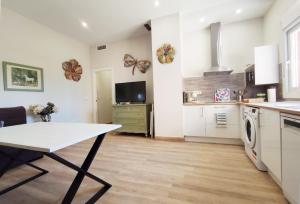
x=156 y=3
x=84 y=24
x=202 y=20
x=238 y=11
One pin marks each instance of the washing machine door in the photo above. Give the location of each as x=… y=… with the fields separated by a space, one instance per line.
x=250 y=132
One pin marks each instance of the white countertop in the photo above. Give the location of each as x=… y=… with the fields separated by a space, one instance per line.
x=49 y=137
x=290 y=107
x=198 y=103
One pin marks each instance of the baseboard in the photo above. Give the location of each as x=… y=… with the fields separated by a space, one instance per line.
x=275 y=179
x=214 y=140
x=170 y=139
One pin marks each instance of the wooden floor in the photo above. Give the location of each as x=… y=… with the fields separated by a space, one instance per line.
x=148 y=171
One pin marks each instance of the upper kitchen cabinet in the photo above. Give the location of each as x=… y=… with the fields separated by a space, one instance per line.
x=266 y=65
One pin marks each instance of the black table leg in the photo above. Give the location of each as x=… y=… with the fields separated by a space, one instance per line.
x=82 y=172
x=14 y=158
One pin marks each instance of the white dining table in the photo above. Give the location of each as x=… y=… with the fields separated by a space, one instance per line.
x=50 y=137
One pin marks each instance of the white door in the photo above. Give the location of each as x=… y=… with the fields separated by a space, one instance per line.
x=104 y=96
x=250 y=136
x=194 y=121
x=270 y=138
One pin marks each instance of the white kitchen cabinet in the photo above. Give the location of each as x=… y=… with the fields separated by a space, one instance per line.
x=201 y=121
x=290 y=158
x=266 y=65
x=231 y=128
x=242 y=122
x=271 y=141
x=194 y=121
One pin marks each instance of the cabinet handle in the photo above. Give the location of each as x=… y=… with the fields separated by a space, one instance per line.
x=292 y=123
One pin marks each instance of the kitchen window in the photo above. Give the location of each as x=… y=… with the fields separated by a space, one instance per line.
x=293 y=57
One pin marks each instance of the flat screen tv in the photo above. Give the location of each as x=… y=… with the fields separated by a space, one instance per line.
x=131 y=92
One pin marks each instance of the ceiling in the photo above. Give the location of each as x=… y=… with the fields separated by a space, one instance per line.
x=113 y=20
x=225 y=13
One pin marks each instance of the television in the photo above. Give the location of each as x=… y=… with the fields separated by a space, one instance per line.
x=131 y=92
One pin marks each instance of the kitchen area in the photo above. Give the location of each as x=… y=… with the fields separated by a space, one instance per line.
x=249 y=108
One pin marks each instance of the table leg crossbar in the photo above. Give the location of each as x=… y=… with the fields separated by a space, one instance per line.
x=82 y=172
x=12 y=159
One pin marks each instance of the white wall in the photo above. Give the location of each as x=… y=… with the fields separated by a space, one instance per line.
x=112 y=57
x=27 y=42
x=167 y=78
x=238 y=42
x=273 y=33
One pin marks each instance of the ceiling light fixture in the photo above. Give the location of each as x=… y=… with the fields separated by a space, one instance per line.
x=202 y=20
x=156 y=3
x=84 y=24
x=238 y=11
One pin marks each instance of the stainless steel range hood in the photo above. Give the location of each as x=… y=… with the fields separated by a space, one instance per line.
x=215 y=38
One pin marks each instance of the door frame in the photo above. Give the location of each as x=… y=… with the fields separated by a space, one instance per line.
x=94 y=72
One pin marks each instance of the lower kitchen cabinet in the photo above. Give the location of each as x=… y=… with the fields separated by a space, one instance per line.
x=242 y=122
x=194 y=121
x=202 y=121
x=271 y=141
x=228 y=123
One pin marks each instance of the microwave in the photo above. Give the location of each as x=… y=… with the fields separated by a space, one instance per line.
x=250 y=76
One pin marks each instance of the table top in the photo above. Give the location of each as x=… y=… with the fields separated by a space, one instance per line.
x=50 y=137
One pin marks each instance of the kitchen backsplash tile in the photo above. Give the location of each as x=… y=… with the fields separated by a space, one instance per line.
x=208 y=84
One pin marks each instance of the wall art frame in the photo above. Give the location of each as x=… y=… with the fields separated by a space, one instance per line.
x=20 y=77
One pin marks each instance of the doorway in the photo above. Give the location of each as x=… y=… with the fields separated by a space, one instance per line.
x=103 y=95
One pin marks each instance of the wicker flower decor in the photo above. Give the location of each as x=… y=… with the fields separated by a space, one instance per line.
x=73 y=70
x=166 y=54
x=142 y=65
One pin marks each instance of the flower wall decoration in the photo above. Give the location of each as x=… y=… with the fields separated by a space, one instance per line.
x=73 y=70
x=142 y=65
x=166 y=54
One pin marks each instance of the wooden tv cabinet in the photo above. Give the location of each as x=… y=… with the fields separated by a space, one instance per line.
x=134 y=118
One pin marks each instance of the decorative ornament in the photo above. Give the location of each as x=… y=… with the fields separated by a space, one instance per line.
x=44 y=112
x=142 y=65
x=165 y=54
x=73 y=70
x=222 y=95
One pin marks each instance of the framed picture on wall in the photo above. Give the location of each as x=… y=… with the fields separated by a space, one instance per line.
x=18 y=77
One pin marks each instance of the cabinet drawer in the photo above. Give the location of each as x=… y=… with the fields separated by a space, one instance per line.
x=127 y=115
x=232 y=113
x=133 y=128
x=133 y=118
x=127 y=121
x=130 y=109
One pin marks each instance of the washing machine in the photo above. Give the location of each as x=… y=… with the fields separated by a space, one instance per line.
x=252 y=136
